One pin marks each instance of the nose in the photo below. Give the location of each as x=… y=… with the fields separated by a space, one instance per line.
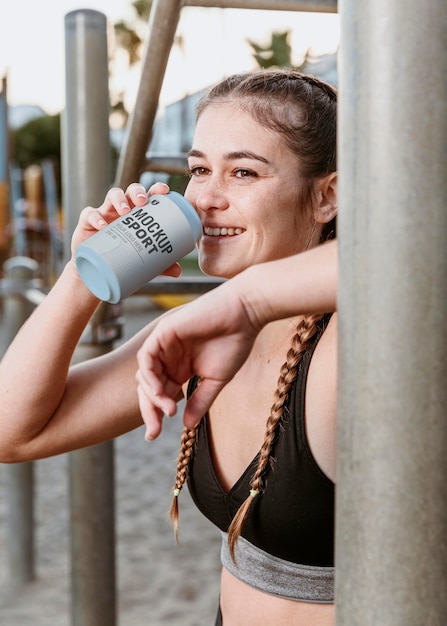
x=207 y=195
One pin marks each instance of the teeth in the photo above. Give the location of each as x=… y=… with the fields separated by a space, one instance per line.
x=222 y=232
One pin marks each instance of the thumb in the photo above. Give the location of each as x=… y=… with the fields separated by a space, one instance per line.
x=199 y=403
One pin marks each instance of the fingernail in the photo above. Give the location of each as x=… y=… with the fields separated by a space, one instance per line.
x=125 y=206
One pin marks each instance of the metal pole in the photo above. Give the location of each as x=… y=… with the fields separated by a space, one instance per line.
x=4 y=174
x=320 y=6
x=86 y=152
x=163 y=22
x=92 y=515
x=86 y=178
x=51 y=202
x=18 y=211
x=19 y=272
x=391 y=542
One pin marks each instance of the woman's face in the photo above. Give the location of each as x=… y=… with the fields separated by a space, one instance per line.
x=245 y=186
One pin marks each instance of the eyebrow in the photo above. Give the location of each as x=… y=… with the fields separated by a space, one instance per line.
x=231 y=156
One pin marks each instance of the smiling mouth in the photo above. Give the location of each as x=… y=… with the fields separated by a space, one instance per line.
x=222 y=232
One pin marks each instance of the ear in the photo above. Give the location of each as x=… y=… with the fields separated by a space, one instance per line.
x=327 y=199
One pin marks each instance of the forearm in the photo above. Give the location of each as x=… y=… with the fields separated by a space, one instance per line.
x=212 y=336
x=301 y=284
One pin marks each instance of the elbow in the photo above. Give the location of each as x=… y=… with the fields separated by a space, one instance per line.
x=10 y=454
x=13 y=449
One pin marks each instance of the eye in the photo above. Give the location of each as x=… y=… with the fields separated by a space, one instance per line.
x=198 y=170
x=242 y=173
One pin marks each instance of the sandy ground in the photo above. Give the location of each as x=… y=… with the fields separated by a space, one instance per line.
x=158 y=582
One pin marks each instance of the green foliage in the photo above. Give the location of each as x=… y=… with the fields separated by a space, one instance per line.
x=128 y=39
x=278 y=53
x=143 y=8
x=40 y=140
x=37 y=140
x=126 y=33
x=178 y=182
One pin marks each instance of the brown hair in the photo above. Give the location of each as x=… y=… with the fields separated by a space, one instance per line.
x=303 y=110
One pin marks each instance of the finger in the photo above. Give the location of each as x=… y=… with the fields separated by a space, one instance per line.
x=174 y=270
x=152 y=368
x=92 y=219
x=115 y=203
x=200 y=401
x=151 y=414
x=163 y=400
x=158 y=188
x=136 y=194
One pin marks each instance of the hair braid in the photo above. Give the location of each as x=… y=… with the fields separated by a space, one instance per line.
x=305 y=331
x=187 y=443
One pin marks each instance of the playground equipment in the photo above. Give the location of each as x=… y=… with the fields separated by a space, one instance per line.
x=391 y=544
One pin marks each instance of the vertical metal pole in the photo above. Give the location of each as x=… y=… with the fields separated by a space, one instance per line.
x=86 y=151
x=86 y=178
x=18 y=211
x=19 y=271
x=391 y=543
x=4 y=165
x=92 y=514
x=51 y=202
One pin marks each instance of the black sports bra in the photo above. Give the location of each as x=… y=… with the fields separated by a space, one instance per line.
x=293 y=519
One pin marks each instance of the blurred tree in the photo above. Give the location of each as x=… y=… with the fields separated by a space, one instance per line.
x=36 y=141
x=39 y=139
x=278 y=53
x=129 y=36
x=126 y=34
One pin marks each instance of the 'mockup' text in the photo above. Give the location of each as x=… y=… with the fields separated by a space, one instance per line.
x=149 y=232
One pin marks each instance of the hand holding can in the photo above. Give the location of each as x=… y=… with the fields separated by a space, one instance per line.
x=132 y=250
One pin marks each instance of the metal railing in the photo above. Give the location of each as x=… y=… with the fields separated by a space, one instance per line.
x=391 y=496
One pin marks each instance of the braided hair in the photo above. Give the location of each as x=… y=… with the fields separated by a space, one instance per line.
x=302 y=109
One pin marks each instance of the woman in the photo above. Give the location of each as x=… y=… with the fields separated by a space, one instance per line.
x=260 y=464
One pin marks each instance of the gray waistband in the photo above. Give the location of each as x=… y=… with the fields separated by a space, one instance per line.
x=277 y=576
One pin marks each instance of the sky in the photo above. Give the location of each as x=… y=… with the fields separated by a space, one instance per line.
x=214 y=41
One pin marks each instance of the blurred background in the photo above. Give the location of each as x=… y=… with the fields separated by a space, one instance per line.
x=157 y=582
x=209 y=44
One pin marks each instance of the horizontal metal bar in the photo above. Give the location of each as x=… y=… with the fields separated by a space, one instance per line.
x=183 y=285
x=35 y=296
x=30 y=290
x=317 y=6
x=177 y=164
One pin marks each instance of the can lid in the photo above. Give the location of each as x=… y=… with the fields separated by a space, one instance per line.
x=97 y=275
x=189 y=212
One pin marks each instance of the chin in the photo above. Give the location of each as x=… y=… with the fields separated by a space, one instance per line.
x=219 y=270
